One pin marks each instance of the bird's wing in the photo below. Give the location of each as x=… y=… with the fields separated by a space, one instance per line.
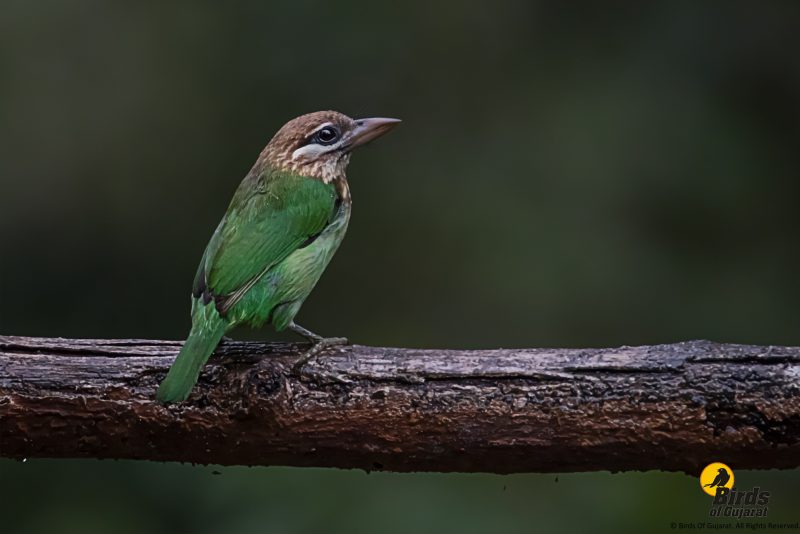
x=271 y=215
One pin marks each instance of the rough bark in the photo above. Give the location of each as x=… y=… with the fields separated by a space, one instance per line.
x=669 y=407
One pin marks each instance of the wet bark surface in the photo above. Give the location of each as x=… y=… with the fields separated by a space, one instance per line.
x=672 y=407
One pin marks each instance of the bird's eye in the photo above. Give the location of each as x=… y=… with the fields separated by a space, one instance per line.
x=326 y=136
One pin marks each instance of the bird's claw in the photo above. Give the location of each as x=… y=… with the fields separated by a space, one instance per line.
x=318 y=347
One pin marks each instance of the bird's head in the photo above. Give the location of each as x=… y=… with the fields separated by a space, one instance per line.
x=319 y=144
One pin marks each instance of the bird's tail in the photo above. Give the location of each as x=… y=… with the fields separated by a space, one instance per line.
x=208 y=327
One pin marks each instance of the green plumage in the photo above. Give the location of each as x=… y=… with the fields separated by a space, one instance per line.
x=270 y=249
x=208 y=327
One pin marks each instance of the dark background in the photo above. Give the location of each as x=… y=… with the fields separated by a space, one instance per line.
x=565 y=175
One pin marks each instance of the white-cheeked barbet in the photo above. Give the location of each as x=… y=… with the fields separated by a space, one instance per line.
x=282 y=227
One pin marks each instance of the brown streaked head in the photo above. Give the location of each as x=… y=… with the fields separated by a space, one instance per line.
x=319 y=144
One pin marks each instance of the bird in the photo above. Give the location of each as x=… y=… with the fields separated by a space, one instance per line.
x=282 y=227
x=720 y=480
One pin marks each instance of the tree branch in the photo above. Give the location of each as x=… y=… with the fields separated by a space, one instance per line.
x=671 y=407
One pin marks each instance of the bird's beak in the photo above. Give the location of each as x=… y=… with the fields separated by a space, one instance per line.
x=368 y=129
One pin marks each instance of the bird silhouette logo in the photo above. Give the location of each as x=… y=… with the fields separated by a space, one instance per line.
x=716 y=475
x=721 y=479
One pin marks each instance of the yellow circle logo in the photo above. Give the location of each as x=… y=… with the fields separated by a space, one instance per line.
x=716 y=475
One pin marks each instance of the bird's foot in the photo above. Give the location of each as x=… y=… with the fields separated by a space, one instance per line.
x=320 y=345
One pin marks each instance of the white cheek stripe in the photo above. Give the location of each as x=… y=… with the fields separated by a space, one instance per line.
x=308 y=152
x=314 y=150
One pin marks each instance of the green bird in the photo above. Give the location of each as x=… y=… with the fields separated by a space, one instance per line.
x=283 y=226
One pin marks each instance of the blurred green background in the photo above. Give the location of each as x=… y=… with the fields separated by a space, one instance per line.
x=566 y=175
